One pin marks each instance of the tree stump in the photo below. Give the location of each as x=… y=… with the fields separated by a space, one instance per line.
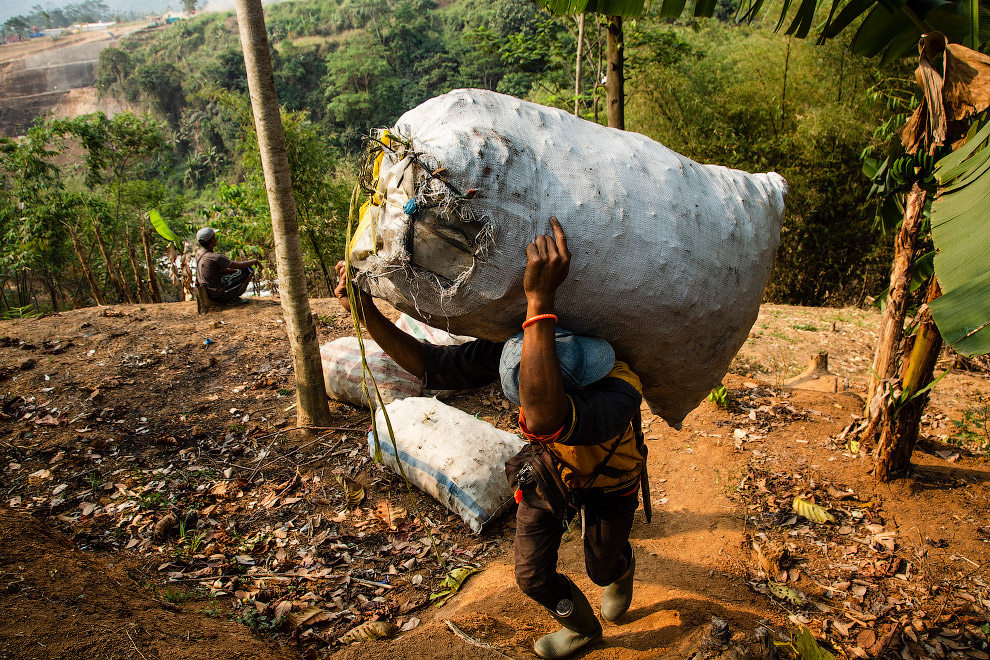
x=817 y=377
x=203 y=302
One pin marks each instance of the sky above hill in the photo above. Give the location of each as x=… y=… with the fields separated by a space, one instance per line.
x=10 y=8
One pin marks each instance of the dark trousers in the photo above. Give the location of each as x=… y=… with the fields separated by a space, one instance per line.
x=608 y=521
x=232 y=285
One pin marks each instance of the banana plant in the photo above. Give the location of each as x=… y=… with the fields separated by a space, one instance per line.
x=952 y=117
x=961 y=233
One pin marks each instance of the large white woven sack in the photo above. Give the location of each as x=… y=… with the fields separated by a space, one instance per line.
x=343 y=373
x=451 y=455
x=670 y=257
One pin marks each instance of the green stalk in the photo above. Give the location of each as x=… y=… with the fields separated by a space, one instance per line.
x=974 y=24
x=358 y=318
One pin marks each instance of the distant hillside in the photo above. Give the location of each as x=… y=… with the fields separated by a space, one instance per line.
x=21 y=7
x=140 y=7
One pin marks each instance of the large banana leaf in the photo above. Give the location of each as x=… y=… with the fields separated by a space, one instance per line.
x=162 y=227
x=891 y=28
x=959 y=230
x=607 y=7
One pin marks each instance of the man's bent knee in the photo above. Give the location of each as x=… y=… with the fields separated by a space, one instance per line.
x=545 y=589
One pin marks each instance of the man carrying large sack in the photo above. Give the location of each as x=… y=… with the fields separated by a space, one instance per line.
x=579 y=408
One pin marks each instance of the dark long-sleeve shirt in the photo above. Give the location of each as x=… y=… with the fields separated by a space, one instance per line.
x=601 y=411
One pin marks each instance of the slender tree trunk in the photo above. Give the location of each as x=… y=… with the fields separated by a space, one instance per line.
x=20 y=280
x=128 y=294
x=614 y=78
x=156 y=295
x=783 y=90
x=49 y=283
x=311 y=395
x=893 y=454
x=3 y=297
x=116 y=277
x=577 y=66
x=319 y=257
x=138 y=280
x=892 y=323
x=94 y=286
x=186 y=275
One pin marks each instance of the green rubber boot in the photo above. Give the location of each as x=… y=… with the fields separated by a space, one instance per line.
x=618 y=596
x=580 y=627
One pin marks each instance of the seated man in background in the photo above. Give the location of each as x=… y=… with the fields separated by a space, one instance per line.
x=582 y=405
x=224 y=280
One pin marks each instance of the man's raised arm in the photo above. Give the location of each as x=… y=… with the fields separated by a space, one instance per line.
x=405 y=349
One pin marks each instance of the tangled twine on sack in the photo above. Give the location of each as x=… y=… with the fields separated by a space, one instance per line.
x=435 y=193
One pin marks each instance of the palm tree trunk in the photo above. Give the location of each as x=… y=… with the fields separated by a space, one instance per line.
x=94 y=286
x=614 y=78
x=156 y=295
x=311 y=395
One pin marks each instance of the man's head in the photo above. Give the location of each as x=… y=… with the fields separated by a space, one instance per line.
x=206 y=237
x=582 y=360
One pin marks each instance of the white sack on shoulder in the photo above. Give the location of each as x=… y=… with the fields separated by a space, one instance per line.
x=451 y=455
x=670 y=257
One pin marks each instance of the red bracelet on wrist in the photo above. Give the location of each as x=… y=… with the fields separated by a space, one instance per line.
x=539 y=317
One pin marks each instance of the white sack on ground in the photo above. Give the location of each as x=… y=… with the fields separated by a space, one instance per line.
x=343 y=374
x=451 y=455
x=670 y=257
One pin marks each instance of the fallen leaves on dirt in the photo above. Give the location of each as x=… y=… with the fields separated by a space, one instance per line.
x=839 y=569
x=301 y=537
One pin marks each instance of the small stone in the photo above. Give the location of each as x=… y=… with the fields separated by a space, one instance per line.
x=28 y=363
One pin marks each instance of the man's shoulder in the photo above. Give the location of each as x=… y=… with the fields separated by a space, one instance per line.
x=214 y=257
x=622 y=371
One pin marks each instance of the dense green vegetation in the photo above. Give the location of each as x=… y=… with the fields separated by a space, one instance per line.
x=741 y=96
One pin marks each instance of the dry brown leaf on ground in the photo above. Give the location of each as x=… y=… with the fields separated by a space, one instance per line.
x=812 y=511
x=369 y=631
x=389 y=514
x=282 y=608
x=353 y=490
x=308 y=616
x=768 y=556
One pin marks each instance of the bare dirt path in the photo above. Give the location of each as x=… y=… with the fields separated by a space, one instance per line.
x=114 y=419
